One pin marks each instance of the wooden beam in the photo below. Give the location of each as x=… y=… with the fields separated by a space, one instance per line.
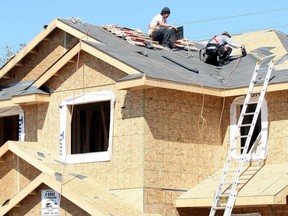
x=34 y=51
x=19 y=64
x=18 y=205
x=31 y=99
x=15 y=200
x=145 y=83
x=76 y=33
x=33 y=192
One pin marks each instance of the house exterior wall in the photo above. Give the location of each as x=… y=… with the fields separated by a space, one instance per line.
x=164 y=141
x=183 y=145
x=124 y=173
x=277 y=103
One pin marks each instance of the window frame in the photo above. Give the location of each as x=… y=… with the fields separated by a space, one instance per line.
x=65 y=128
x=261 y=152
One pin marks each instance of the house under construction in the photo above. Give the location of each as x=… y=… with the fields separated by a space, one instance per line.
x=94 y=123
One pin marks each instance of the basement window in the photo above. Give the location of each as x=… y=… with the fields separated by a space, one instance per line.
x=86 y=127
x=11 y=124
x=257 y=149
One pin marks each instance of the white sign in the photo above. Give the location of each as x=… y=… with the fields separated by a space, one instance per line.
x=50 y=203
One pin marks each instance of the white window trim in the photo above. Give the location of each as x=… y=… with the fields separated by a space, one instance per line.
x=81 y=99
x=261 y=153
x=12 y=111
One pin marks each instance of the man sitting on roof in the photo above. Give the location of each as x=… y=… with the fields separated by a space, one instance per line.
x=159 y=30
x=219 y=48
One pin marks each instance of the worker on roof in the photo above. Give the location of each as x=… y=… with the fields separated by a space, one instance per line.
x=219 y=48
x=159 y=30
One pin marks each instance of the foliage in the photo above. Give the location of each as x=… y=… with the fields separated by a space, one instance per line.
x=8 y=53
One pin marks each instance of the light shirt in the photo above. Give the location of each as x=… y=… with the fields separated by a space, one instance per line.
x=223 y=40
x=155 y=23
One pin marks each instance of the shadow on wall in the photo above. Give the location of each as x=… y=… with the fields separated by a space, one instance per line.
x=176 y=116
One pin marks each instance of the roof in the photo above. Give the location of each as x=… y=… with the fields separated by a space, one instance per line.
x=156 y=64
x=82 y=190
x=183 y=70
x=267 y=186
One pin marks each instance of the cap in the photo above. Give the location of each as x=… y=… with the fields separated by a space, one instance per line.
x=226 y=33
x=165 y=10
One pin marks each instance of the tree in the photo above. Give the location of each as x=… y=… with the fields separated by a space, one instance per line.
x=7 y=54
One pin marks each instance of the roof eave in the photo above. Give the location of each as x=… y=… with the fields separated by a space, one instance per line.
x=241 y=201
x=145 y=82
x=26 y=99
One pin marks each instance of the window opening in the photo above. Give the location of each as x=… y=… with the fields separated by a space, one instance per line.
x=9 y=126
x=257 y=149
x=86 y=127
x=245 y=130
x=90 y=127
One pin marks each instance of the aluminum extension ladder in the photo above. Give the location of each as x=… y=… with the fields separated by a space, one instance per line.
x=225 y=199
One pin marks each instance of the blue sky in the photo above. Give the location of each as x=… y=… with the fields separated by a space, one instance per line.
x=21 y=21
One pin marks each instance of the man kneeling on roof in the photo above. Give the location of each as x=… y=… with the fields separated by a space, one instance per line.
x=219 y=48
x=159 y=30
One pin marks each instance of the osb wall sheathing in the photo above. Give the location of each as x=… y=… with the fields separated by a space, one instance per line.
x=43 y=56
x=183 y=145
x=15 y=174
x=31 y=205
x=277 y=103
x=125 y=170
x=278 y=127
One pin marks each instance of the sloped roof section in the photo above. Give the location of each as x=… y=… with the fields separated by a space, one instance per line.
x=184 y=67
x=116 y=42
x=283 y=38
x=77 y=187
x=269 y=186
x=17 y=89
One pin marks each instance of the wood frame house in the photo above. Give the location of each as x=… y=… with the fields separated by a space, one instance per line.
x=114 y=128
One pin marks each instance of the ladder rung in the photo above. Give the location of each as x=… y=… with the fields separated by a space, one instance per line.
x=236 y=148
x=262 y=69
x=224 y=195
x=251 y=102
x=250 y=113
x=220 y=207
x=245 y=125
